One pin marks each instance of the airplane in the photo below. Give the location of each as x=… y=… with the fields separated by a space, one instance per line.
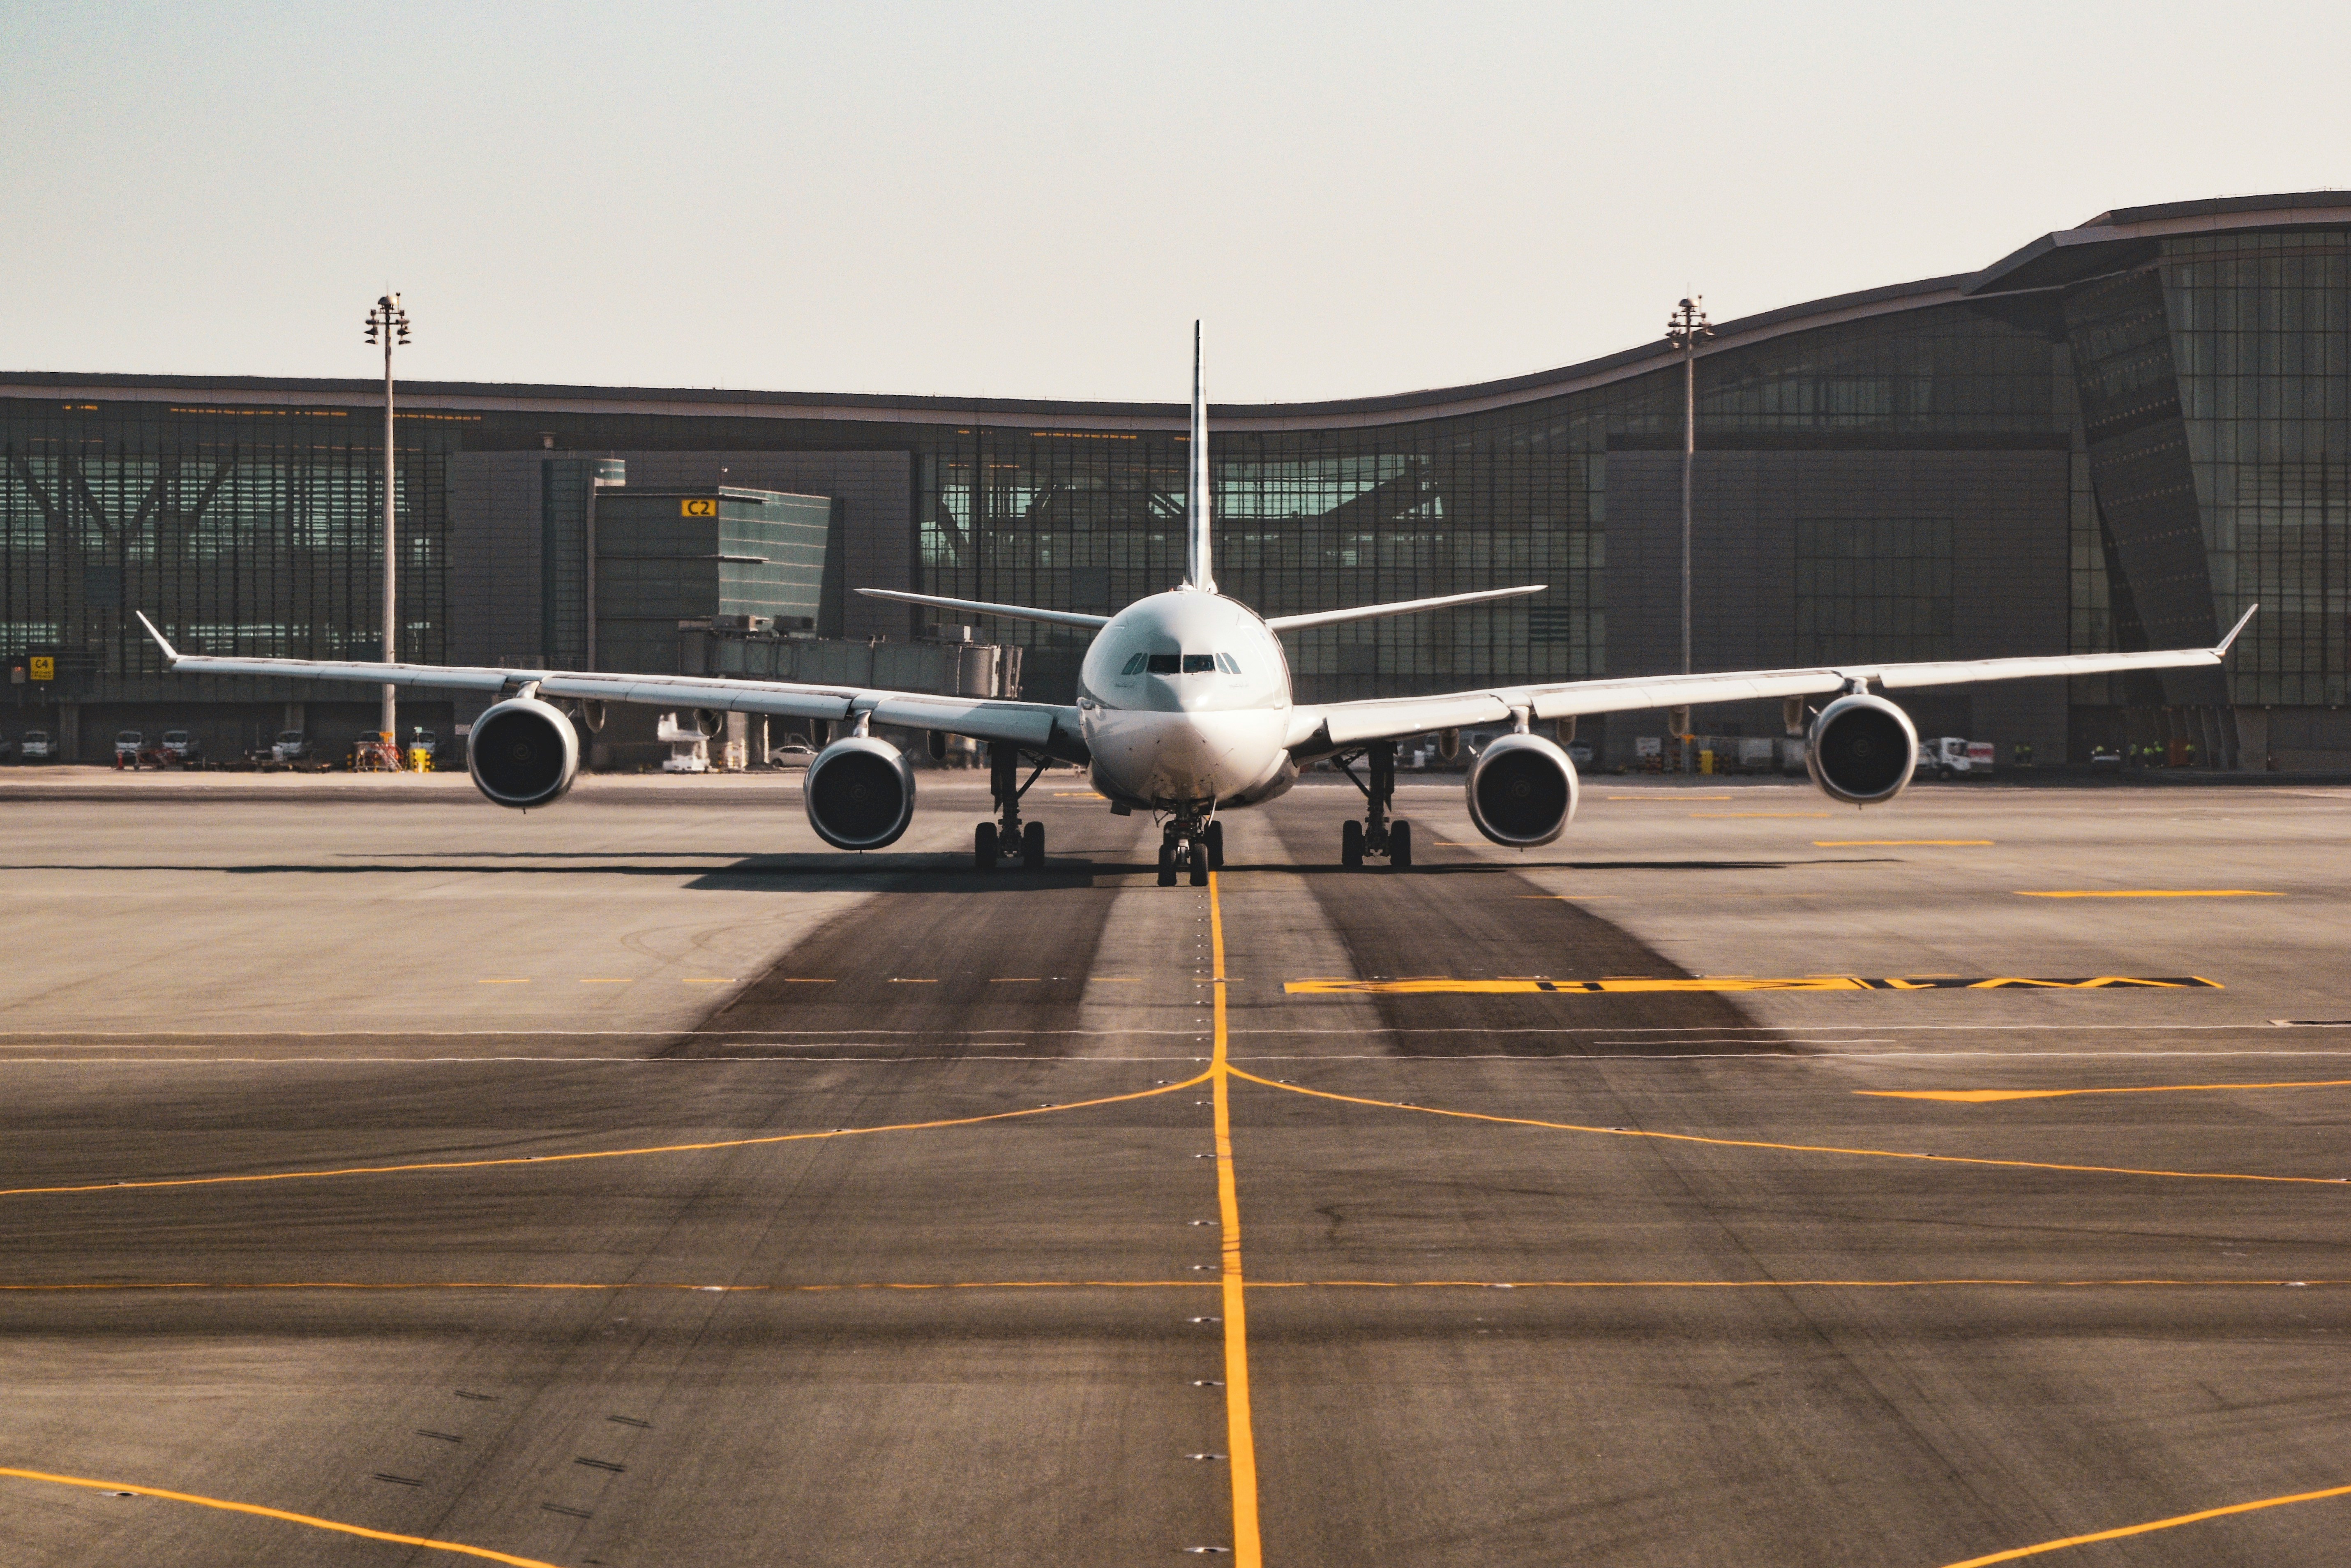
x=1185 y=710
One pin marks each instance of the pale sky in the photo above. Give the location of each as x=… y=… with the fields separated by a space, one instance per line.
x=1036 y=199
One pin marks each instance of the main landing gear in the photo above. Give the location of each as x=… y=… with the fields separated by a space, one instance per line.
x=1189 y=843
x=1006 y=838
x=1376 y=834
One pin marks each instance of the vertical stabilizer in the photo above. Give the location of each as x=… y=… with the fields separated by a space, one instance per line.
x=1197 y=571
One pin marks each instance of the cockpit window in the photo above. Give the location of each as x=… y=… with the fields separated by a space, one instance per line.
x=1134 y=666
x=1164 y=664
x=1227 y=664
x=1200 y=663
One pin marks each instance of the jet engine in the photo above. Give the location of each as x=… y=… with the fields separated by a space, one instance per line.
x=1523 y=790
x=523 y=753
x=1863 y=750
x=859 y=793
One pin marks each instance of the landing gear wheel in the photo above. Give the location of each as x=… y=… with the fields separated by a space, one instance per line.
x=1167 y=865
x=1032 y=846
x=983 y=847
x=1215 y=841
x=1351 y=845
x=1200 y=862
x=1400 y=846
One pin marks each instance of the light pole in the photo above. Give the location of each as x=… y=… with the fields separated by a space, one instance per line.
x=388 y=323
x=1686 y=328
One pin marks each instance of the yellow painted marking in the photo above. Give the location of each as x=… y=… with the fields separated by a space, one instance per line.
x=1627 y=984
x=1986 y=1096
x=1720 y=814
x=2161 y=892
x=1894 y=843
x=1078 y=795
x=1789 y=1148
x=1668 y=798
x=314 y=1522
x=805 y=980
x=2172 y=1523
x=1190 y=1083
x=1239 y=1435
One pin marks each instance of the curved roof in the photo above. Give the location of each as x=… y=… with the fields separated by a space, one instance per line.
x=2113 y=240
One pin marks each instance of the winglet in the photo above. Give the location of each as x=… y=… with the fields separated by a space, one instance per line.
x=171 y=654
x=2240 y=626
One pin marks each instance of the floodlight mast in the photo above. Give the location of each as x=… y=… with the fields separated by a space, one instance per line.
x=388 y=323
x=1686 y=328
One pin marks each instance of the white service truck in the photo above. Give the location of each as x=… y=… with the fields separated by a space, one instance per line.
x=1949 y=757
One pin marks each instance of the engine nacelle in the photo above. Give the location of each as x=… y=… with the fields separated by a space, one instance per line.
x=1861 y=750
x=523 y=753
x=859 y=793
x=1523 y=790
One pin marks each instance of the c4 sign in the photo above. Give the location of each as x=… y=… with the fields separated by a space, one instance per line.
x=43 y=667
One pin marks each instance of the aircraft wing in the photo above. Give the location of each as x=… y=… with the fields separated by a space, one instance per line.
x=1316 y=731
x=1045 y=726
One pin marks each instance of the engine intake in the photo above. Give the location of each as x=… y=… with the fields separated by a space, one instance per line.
x=1523 y=790
x=523 y=753
x=1863 y=750
x=859 y=793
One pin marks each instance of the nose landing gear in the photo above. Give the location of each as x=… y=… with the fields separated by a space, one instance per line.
x=1187 y=843
x=1007 y=837
x=1376 y=834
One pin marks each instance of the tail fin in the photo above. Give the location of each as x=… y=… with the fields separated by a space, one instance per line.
x=1197 y=571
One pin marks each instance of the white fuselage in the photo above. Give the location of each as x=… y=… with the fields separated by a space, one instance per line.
x=1184 y=700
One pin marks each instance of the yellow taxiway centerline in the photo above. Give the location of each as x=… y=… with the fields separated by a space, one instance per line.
x=2173 y=1523
x=1424 y=985
x=312 y=1520
x=1790 y=1148
x=2157 y=892
x=1986 y=1096
x=608 y=1154
x=1240 y=1433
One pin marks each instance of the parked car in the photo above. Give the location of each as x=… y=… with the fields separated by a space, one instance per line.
x=35 y=746
x=291 y=746
x=791 y=754
x=2105 y=759
x=179 y=746
x=129 y=743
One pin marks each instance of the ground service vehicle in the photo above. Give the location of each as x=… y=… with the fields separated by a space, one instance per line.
x=1183 y=708
x=35 y=746
x=1949 y=757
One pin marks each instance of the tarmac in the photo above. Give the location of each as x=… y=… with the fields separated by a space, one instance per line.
x=388 y=1179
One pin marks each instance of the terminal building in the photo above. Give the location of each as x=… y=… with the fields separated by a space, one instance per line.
x=2117 y=436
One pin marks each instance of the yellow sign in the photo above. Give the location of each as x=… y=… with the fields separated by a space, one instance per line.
x=697 y=508
x=43 y=667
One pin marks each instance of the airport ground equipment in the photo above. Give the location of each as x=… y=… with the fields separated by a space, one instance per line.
x=1185 y=709
x=1949 y=757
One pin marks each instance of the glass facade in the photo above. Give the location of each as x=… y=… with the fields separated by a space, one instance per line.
x=2116 y=445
